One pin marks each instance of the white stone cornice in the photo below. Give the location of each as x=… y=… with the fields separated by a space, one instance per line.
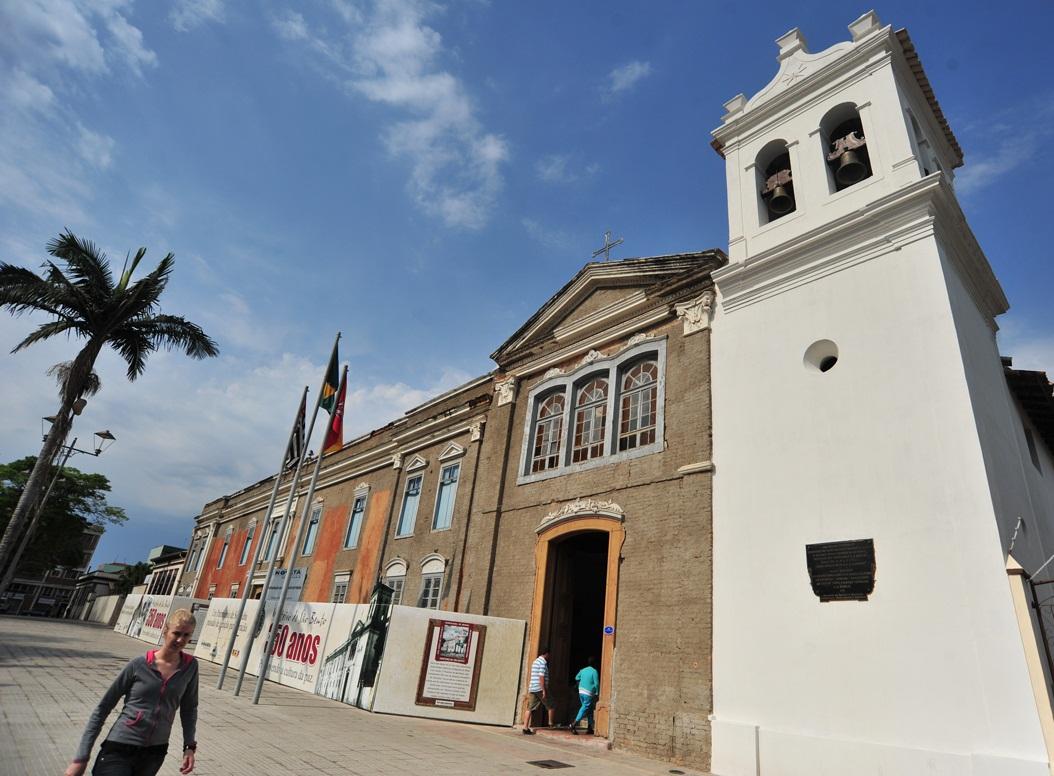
x=914 y=212
x=582 y=508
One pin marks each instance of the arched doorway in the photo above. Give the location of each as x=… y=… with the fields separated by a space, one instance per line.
x=575 y=600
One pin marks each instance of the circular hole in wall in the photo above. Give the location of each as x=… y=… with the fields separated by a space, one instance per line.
x=821 y=356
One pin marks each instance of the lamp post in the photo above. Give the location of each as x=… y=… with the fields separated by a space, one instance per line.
x=103 y=441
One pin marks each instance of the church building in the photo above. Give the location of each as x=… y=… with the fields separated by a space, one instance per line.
x=789 y=497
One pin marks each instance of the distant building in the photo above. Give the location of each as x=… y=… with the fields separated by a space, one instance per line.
x=49 y=594
x=166 y=564
x=102 y=581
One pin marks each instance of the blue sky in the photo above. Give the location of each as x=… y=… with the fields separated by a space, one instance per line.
x=421 y=176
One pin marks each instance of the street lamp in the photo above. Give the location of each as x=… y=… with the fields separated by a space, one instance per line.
x=103 y=439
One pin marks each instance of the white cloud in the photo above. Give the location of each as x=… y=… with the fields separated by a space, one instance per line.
x=95 y=149
x=187 y=15
x=291 y=26
x=553 y=239
x=1029 y=348
x=560 y=168
x=1030 y=127
x=53 y=49
x=24 y=92
x=627 y=76
x=391 y=56
x=187 y=431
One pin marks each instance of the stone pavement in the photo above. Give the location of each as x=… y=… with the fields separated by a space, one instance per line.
x=52 y=673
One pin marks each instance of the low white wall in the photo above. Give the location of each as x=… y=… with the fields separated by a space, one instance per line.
x=105 y=609
x=402 y=665
x=322 y=648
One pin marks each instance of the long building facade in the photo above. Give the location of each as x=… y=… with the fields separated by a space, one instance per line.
x=570 y=489
x=791 y=499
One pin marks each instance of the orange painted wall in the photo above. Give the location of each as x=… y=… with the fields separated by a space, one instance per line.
x=332 y=526
x=231 y=571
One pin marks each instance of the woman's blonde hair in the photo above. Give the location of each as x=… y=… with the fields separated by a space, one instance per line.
x=181 y=616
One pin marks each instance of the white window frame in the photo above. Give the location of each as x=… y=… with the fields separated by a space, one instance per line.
x=314 y=526
x=342 y=579
x=226 y=546
x=612 y=367
x=448 y=459
x=250 y=534
x=419 y=475
x=351 y=538
x=395 y=578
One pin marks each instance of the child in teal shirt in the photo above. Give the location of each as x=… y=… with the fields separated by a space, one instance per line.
x=588 y=689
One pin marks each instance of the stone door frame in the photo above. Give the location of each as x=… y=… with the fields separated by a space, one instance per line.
x=553 y=530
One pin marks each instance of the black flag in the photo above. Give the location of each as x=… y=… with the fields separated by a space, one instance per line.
x=296 y=441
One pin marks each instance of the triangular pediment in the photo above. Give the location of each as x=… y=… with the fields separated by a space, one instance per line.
x=602 y=293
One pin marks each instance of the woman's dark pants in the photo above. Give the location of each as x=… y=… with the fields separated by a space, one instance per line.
x=127 y=760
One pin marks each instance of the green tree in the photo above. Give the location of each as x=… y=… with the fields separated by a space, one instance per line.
x=77 y=500
x=130 y=577
x=83 y=300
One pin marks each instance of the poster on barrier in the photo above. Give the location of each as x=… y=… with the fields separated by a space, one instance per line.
x=299 y=637
x=129 y=611
x=215 y=632
x=341 y=661
x=150 y=618
x=450 y=666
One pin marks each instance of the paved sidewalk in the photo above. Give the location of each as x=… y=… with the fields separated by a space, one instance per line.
x=53 y=672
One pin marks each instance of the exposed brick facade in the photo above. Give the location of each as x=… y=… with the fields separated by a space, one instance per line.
x=660 y=652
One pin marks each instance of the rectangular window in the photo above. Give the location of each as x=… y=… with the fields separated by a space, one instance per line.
x=396 y=584
x=445 y=498
x=312 y=530
x=358 y=509
x=235 y=587
x=212 y=592
x=223 y=550
x=340 y=591
x=408 y=514
x=430 y=585
x=248 y=544
x=272 y=540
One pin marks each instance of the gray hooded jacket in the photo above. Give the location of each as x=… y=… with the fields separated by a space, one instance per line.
x=150 y=704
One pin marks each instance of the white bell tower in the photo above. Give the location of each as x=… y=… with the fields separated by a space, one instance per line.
x=858 y=396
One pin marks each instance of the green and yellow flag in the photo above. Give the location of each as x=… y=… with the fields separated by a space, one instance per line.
x=332 y=384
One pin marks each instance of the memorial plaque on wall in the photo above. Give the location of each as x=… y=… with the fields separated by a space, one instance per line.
x=451 y=663
x=842 y=571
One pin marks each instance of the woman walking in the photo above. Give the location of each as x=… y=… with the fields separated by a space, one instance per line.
x=153 y=686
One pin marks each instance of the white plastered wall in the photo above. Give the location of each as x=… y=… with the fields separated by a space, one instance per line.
x=928 y=676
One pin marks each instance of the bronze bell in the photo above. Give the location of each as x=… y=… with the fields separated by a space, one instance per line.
x=851 y=168
x=782 y=201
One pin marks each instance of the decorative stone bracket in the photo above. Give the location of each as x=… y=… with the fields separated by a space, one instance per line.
x=506 y=390
x=697 y=313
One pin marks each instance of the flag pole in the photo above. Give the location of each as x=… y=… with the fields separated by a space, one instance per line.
x=247 y=585
x=282 y=528
x=265 y=660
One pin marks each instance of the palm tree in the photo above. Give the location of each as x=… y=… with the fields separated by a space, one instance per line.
x=85 y=302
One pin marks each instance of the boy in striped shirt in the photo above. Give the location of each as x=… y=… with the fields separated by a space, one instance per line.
x=538 y=690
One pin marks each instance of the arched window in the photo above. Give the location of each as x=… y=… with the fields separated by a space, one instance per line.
x=395 y=578
x=848 y=159
x=775 y=181
x=591 y=403
x=637 y=405
x=548 y=429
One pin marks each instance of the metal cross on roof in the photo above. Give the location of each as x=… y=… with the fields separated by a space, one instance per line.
x=608 y=245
